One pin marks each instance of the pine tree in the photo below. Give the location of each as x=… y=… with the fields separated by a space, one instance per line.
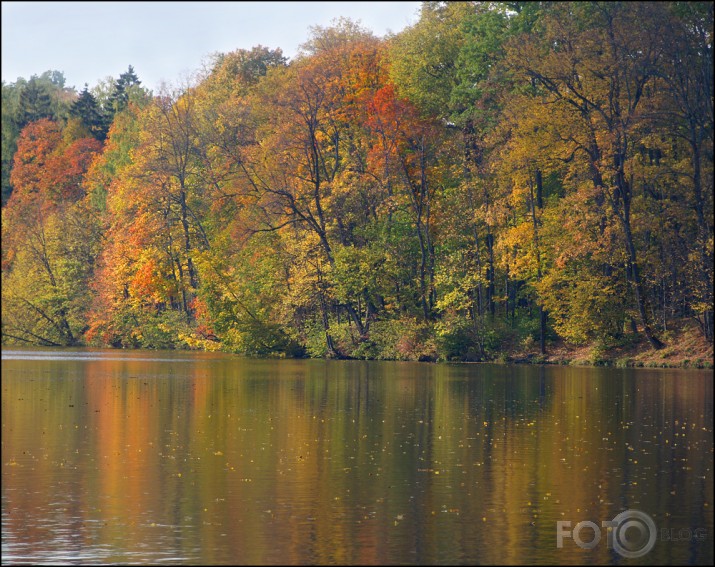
x=35 y=103
x=122 y=87
x=87 y=109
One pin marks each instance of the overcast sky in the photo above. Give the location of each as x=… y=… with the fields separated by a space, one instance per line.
x=90 y=41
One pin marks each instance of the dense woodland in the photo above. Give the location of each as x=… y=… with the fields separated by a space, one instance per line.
x=499 y=174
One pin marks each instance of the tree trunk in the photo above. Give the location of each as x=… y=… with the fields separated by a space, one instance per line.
x=703 y=231
x=490 y=273
x=638 y=285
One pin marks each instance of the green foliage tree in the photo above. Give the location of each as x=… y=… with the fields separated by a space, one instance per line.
x=90 y=114
x=123 y=87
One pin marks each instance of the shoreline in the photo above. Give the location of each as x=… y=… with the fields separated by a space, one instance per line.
x=685 y=348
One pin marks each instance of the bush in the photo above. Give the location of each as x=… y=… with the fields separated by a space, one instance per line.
x=405 y=338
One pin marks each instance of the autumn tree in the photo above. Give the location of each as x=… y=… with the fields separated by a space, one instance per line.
x=49 y=241
x=241 y=284
x=600 y=74
x=24 y=101
x=683 y=111
x=497 y=174
x=304 y=148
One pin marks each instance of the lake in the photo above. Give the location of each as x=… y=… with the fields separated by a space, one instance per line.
x=151 y=457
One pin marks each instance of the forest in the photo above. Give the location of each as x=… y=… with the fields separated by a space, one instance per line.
x=497 y=177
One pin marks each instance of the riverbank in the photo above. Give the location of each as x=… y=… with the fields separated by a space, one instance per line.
x=685 y=347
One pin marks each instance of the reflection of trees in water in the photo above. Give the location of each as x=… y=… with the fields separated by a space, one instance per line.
x=291 y=461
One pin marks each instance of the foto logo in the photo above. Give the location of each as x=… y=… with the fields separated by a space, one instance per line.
x=631 y=533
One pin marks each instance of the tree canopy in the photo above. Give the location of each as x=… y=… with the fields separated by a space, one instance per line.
x=499 y=174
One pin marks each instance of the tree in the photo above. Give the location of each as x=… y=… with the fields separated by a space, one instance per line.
x=423 y=58
x=234 y=72
x=304 y=148
x=24 y=101
x=599 y=74
x=449 y=65
x=48 y=239
x=88 y=111
x=686 y=113
x=127 y=83
x=409 y=147
x=35 y=103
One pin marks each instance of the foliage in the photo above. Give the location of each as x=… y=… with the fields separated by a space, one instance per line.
x=497 y=177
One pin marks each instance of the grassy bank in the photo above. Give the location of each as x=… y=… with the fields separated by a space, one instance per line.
x=685 y=347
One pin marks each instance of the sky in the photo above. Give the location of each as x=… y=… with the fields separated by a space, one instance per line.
x=166 y=41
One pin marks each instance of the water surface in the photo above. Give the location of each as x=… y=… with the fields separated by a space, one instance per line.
x=172 y=457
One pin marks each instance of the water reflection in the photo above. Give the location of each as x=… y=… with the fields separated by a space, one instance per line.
x=183 y=458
